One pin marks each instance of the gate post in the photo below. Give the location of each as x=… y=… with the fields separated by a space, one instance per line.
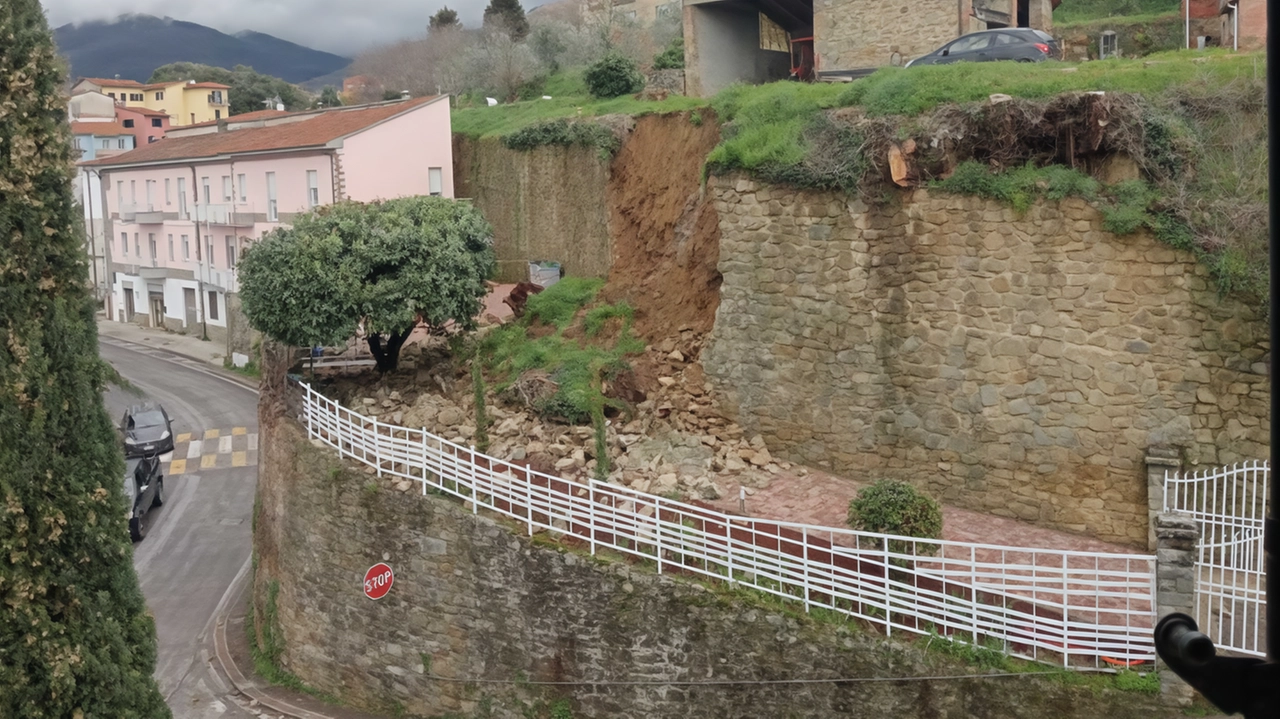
x=1176 y=540
x=1160 y=459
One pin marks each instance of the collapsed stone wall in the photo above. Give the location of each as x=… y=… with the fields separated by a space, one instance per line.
x=1018 y=365
x=475 y=599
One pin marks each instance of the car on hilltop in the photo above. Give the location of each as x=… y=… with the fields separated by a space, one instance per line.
x=1020 y=44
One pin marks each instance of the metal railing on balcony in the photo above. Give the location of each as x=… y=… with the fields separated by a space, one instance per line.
x=227 y=214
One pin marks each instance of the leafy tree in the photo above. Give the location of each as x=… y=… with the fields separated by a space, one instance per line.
x=250 y=91
x=548 y=43
x=329 y=97
x=75 y=636
x=613 y=75
x=671 y=58
x=507 y=16
x=388 y=265
x=444 y=19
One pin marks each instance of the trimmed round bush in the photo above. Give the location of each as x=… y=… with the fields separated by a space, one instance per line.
x=613 y=75
x=892 y=507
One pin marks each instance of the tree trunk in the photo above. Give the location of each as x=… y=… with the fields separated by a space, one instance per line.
x=388 y=358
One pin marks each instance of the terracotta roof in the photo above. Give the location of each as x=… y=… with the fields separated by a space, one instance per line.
x=319 y=130
x=112 y=83
x=209 y=85
x=99 y=128
x=243 y=117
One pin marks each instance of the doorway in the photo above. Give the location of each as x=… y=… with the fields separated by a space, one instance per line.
x=189 y=302
x=157 y=310
x=128 y=302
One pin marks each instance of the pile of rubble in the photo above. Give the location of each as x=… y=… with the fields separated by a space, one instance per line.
x=678 y=444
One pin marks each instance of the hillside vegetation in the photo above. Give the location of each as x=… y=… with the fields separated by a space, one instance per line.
x=1079 y=11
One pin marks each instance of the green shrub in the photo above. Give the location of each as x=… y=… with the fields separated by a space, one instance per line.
x=892 y=507
x=564 y=133
x=611 y=76
x=671 y=58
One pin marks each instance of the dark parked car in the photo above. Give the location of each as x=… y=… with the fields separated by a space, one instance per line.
x=143 y=489
x=1022 y=44
x=146 y=430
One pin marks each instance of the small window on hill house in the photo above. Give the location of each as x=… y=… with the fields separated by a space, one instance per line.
x=313 y=188
x=155 y=122
x=159 y=95
x=435 y=181
x=128 y=123
x=120 y=144
x=135 y=97
x=213 y=305
x=111 y=95
x=217 y=114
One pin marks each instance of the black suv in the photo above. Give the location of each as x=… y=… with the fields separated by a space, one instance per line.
x=146 y=431
x=143 y=489
x=1022 y=44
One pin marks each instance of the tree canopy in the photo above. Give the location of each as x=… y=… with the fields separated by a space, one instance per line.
x=389 y=264
x=75 y=636
x=329 y=97
x=508 y=16
x=249 y=91
x=444 y=19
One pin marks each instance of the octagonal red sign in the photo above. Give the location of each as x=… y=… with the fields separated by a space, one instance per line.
x=377 y=581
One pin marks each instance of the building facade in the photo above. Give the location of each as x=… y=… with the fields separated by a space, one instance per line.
x=179 y=213
x=1243 y=24
x=186 y=102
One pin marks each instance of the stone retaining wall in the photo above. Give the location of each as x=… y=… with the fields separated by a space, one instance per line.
x=476 y=599
x=1018 y=365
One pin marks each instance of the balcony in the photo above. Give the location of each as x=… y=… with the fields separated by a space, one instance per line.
x=142 y=213
x=226 y=214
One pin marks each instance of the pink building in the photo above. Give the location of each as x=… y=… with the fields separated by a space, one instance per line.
x=181 y=210
x=146 y=125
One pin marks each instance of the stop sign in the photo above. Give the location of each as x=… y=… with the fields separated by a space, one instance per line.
x=377 y=581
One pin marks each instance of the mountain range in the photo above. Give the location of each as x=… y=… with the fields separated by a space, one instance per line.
x=133 y=46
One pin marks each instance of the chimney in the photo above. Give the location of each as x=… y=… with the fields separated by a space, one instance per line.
x=404 y=95
x=222 y=124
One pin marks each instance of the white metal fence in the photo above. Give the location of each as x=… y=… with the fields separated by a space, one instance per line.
x=1075 y=609
x=1229 y=504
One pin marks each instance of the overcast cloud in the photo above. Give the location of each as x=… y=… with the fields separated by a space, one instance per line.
x=345 y=27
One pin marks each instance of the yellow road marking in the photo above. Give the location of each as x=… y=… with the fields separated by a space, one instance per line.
x=240 y=430
x=211 y=434
x=239 y=459
x=178 y=466
x=208 y=461
x=184 y=437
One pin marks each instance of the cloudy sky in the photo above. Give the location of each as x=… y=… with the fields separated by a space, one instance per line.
x=341 y=26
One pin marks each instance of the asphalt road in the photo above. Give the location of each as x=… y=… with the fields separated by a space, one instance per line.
x=199 y=541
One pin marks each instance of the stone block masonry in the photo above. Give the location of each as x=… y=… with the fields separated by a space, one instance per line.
x=475 y=601
x=1018 y=365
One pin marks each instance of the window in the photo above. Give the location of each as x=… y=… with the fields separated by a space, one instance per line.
x=435 y=178
x=208 y=250
x=968 y=44
x=208 y=196
x=226 y=188
x=171 y=248
x=128 y=123
x=168 y=194
x=182 y=198
x=133 y=192
x=135 y=97
x=124 y=243
x=120 y=144
x=137 y=245
x=215 y=97
x=155 y=121
x=241 y=182
x=231 y=252
x=186 y=248
x=106 y=143
x=151 y=139
x=159 y=96
x=273 y=209
x=313 y=188
x=213 y=305
x=217 y=114
x=151 y=241
x=119 y=194
x=111 y=95
x=79 y=146
x=193 y=118
x=150 y=199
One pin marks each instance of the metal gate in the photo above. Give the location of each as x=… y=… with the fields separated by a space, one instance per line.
x=1229 y=505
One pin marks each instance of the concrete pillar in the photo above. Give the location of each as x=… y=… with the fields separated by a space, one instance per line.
x=1160 y=459
x=1176 y=539
x=1040 y=14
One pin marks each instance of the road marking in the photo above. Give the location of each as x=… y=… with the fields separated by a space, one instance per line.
x=253 y=441
x=240 y=430
x=208 y=461
x=177 y=466
x=184 y=437
x=224 y=444
x=239 y=459
x=211 y=434
x=195 y=449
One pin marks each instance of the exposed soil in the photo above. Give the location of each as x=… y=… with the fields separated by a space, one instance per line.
x=666 y=234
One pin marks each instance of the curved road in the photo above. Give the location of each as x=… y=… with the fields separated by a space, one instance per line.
x=199 y=541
